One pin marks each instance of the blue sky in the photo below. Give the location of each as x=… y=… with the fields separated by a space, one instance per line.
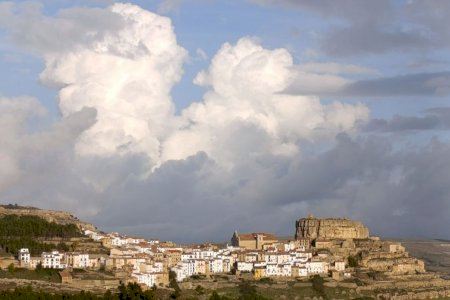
x=207 y=25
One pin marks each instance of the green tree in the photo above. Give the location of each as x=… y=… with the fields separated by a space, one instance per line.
x=317 y=284
x=248 y=292
x=353 y=261
x=26 y=231
x=133 y=291
x=174 y=284
x=11 y=268
x=216 y=296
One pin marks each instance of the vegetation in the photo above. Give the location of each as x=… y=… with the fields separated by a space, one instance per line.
x=33 y=226
x=353 y=261
x=200 y=290
x=266 y=280
x=50 y=275
x=216 y=296
x=317 y=284
x=132 y=291
x=248 y=291
x=16 y=206
x=13 y=244
x=25 y=231
x=174 y=284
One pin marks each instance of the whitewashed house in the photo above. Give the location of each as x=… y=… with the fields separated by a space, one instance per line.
x=316 y=267
x=24 y=257
x=215 y=265
x=148 y=279
x=52 y=260
x=78 y=260
x=244 y=266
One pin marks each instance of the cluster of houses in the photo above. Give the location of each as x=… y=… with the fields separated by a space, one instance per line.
x=59 y=260
x=261 y=255
x=149 y=262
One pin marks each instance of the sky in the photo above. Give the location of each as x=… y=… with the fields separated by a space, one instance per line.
x=186 y=120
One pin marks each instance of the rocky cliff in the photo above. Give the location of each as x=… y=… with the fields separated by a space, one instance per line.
x=59 y=217
x=314 y=228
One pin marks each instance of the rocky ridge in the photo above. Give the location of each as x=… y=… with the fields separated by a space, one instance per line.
x=330 y=228
x=59 y=217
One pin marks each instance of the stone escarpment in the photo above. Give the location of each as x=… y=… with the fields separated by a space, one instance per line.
x=314 y=228
x=59 y=217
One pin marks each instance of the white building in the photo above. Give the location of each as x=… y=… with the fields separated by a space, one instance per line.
x=227 y=265
x=52 y=260
x=199 y=266
x=24 y=256
x=78 y=260
x=118 y=241
x=215 y=265
x=316 y=267
x=278 y=258
x=339 y=265
x=244 y=266
x=180 y=272
x=302 y=271
x=148 y=279
x=272 y=269
x=188 y=268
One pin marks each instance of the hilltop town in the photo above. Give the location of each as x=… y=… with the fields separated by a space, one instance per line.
x=340 y=252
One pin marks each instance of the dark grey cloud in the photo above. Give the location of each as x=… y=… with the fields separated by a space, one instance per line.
x=363 y=178
x=402 y=123
x=367 y=178
x=435 y=84
x=435 y=119
x=378 y=26
x=422 y=84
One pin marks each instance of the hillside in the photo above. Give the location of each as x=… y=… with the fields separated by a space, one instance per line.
x=58 y=217
x=435 y=253
x=43 y=230
x=30 y=232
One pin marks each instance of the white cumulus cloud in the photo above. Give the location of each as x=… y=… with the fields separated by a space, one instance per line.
x=244 y=112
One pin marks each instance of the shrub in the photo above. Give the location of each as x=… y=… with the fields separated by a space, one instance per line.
x=353 y=261
x=266 y=280
x=11 y=268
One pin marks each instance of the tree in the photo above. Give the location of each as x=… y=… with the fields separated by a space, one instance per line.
x=174 y=284
x=248 y=292
x=11 y=268
x=353 y=261
x=216 y=296
x=200 y=290
x=317 y=284
x=133 y=291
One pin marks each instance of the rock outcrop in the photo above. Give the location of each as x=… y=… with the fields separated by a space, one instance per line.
x=314 y=228
x=59 y=217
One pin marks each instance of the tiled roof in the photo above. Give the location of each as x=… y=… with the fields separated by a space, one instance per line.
x=252 y=236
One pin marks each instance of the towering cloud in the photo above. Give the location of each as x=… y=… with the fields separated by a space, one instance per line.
x=127 y=76
x=245 y=113
x=122 y=61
